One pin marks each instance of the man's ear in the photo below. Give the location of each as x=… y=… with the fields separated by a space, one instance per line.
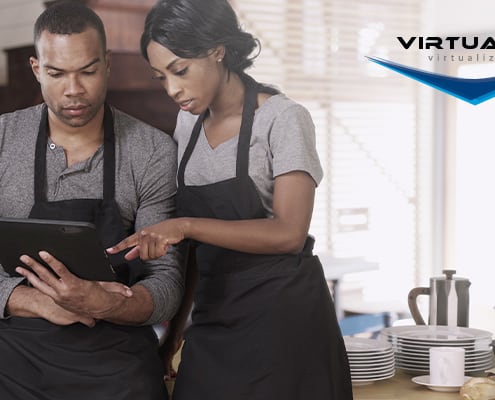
x=35 y=67
x=108 y=61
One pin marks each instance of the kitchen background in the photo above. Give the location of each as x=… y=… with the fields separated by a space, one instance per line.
x=408 y=170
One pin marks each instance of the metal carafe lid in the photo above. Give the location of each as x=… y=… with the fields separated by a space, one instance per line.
x=449 y=276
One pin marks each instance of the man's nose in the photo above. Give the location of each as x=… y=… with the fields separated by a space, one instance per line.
x=73 y=86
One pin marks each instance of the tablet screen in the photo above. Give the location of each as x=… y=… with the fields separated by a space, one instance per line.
x=75 y=244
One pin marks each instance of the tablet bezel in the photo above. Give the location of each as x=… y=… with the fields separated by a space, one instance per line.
x=74 y=243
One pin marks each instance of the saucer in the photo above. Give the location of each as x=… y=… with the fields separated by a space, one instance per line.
x=425 y=380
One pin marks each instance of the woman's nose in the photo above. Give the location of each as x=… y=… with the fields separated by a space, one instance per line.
x=172 y=88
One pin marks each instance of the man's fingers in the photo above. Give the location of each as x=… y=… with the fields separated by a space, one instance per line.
x=34 y=280
x=116 y=287
x=124 y=244
x=88 y=321
x=57 y=267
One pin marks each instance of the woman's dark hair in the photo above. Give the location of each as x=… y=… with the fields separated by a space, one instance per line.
x=192 y=28
x=68 y=17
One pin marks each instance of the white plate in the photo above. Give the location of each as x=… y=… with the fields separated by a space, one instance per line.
x=476 y=345
x=369 y=375
x=420 y=369
x=372 y=357
x=354 y=344
x=371 y=367
x=375 y=372
x=367 y=381
x=426 y=360
x=436 y=333
x=425 y=347
x=425 y=380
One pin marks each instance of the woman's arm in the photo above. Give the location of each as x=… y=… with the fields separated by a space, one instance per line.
x=284 y=233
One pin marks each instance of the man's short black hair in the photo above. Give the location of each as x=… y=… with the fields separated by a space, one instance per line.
x=67 y=17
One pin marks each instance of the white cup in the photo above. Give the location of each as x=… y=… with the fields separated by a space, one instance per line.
x=447 y=366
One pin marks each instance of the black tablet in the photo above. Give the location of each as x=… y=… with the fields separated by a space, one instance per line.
x=75 y=244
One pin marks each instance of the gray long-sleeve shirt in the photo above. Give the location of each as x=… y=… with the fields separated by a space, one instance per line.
x=145 y=187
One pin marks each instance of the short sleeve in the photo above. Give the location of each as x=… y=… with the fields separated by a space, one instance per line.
x=293 y=143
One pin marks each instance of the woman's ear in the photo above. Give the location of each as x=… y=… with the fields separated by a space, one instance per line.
x=219 y=53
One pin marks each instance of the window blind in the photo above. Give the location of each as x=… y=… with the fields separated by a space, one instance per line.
x=373 y=126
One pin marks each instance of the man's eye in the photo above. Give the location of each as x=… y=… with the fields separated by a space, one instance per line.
x=89 y=72
x=55 y=74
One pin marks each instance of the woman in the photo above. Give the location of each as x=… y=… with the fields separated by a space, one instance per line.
x=263 y=325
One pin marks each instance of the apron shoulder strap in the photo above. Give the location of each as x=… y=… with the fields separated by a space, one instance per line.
x=108 y=154
x=190 y=147
x=40 y=157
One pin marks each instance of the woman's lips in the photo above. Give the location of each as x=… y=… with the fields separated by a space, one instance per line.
x=185 y=105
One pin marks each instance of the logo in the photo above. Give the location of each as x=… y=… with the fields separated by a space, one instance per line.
x=474 y=91
x=471 y=90
x=449 y=42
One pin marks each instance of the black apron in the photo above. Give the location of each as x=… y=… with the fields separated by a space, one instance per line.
x=41 y=360
x=263 y=326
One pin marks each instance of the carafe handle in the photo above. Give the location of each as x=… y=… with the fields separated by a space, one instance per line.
x=413 y=304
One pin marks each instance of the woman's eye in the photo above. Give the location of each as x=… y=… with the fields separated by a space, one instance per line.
x=181 y=72
x=158 y=78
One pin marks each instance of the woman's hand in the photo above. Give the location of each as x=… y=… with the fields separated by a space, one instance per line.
x=153 y=241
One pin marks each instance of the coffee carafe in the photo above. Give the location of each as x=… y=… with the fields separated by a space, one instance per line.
x=449 y=301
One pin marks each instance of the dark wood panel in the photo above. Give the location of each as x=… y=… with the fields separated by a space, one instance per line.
x=130 y=71
x=130 y=88
x=23 y=88
x=151 y=106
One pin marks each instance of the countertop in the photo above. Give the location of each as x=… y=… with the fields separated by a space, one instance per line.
x=400 y=387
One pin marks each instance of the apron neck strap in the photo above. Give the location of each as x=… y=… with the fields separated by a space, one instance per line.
x=248 y=109
x=250 y=100
x=190 y=147
x=108 y=156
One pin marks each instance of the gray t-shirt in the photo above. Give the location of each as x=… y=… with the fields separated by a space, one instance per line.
x=282 y=141
x=145 y=188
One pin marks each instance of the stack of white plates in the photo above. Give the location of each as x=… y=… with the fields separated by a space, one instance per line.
x=412 y=344
x=369 y=359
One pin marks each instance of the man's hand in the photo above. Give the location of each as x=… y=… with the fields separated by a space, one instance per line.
x=52 y=312
x=95 y=300
x=28 y=302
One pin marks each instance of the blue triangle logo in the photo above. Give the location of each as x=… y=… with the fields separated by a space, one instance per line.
x=474 y=91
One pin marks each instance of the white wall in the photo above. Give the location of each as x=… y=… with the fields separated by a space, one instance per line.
x=461 y=16
x=16 y=27
x=444 y=17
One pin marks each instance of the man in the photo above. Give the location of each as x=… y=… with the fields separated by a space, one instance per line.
x=62 y=337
